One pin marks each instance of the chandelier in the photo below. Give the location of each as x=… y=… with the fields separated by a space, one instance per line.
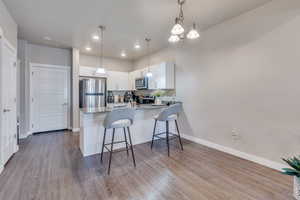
x=178 y=32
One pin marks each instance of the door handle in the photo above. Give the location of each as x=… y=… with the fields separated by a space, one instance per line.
x=6 y=110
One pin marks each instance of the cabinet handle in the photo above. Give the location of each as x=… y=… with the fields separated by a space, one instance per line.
x=6 y=110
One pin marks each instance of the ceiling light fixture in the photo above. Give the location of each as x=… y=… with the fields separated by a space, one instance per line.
x=137 y=46
x=123 y=54
x=96 y=37
x=177 y=32
x=193 y=34
x=149 y=73
x=174 y=38
x=88 y=48
x=177 y=28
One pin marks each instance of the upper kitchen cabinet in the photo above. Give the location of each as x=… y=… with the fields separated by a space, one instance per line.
x=92 y=71
x=118 y=81
x=132 y=76
x=163 y=76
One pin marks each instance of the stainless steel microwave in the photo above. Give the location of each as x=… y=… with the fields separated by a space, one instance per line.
x=141 y=83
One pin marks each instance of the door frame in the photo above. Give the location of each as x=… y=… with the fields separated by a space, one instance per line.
x=48 y=66
x=4 y=41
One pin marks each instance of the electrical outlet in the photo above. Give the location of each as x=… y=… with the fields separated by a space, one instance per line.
x=235 y=135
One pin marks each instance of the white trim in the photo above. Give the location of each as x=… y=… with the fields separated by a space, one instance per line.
x=6 y=42
x=16 y=148
x=26 y=135
x=1 y=169
x=75 y=129
x=253 y=158
x=48 y=66
x=9 y=45
x=62 y=67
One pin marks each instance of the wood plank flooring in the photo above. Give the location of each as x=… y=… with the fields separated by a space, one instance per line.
x=51 y=167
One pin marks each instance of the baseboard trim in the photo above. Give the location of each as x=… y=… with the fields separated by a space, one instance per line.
x=246 y=156
x=26 y=135
x=75 y=129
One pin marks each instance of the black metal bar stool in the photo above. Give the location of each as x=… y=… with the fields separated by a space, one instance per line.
x=120 y=118
x=169 y=114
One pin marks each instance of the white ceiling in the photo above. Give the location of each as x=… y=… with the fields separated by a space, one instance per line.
x=71 y=23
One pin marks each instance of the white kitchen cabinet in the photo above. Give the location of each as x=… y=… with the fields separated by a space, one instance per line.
x=90 y=72
x=132 y=76
x=118 y=80
x=163 y=76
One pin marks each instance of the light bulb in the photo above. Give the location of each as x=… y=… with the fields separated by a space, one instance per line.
x=123 y=54
x=174 y=38
x=96 y=37
x=193 y=34
x=177 y=29
x=137 y=46
x=88 y=48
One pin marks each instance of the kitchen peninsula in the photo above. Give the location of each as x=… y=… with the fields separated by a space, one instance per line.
x=91 y=128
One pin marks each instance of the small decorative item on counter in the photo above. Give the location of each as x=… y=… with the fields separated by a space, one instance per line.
x=295 y=172
x=157 y=95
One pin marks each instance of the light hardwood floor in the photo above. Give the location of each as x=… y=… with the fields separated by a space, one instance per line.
x=50 y=166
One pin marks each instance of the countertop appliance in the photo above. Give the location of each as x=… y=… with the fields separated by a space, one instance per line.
x=127 y=96
x=146 y=100
x=110 y=97
x=141 y=83
x=92 y=92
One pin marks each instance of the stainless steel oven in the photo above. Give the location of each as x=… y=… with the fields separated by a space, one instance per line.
x=141 y=83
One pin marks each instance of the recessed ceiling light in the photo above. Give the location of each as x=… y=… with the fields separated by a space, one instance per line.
x=137 y=46
x=123 y=54
x=47 y=38
x=88 y=48
x=96 y=37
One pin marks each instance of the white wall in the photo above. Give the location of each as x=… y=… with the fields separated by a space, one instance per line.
x=49 y=55
x=243 y=76
x=9 y=26
x=112 y=64
x=75 y=90
x=24 y=86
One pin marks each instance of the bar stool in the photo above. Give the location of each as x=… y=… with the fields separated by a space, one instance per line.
x=119 y=118
x=169 y=114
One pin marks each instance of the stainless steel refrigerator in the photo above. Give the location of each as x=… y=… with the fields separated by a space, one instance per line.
x=92 y=92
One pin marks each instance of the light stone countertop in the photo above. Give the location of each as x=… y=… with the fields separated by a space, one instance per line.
x=108 y=109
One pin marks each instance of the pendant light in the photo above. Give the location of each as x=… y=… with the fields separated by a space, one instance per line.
x=193 y=34
x=149 y=73
x=177 y=32
x=177 y=28
x=174 y=38
x=101 y=69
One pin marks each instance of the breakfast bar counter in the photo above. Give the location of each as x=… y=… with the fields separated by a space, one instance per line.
x=91 y=128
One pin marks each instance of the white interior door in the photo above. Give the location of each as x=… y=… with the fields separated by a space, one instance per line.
x=49 y=98
x=8 y=102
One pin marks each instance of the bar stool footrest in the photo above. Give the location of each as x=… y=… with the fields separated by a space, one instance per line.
x=118 y=142
x=170 y=135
